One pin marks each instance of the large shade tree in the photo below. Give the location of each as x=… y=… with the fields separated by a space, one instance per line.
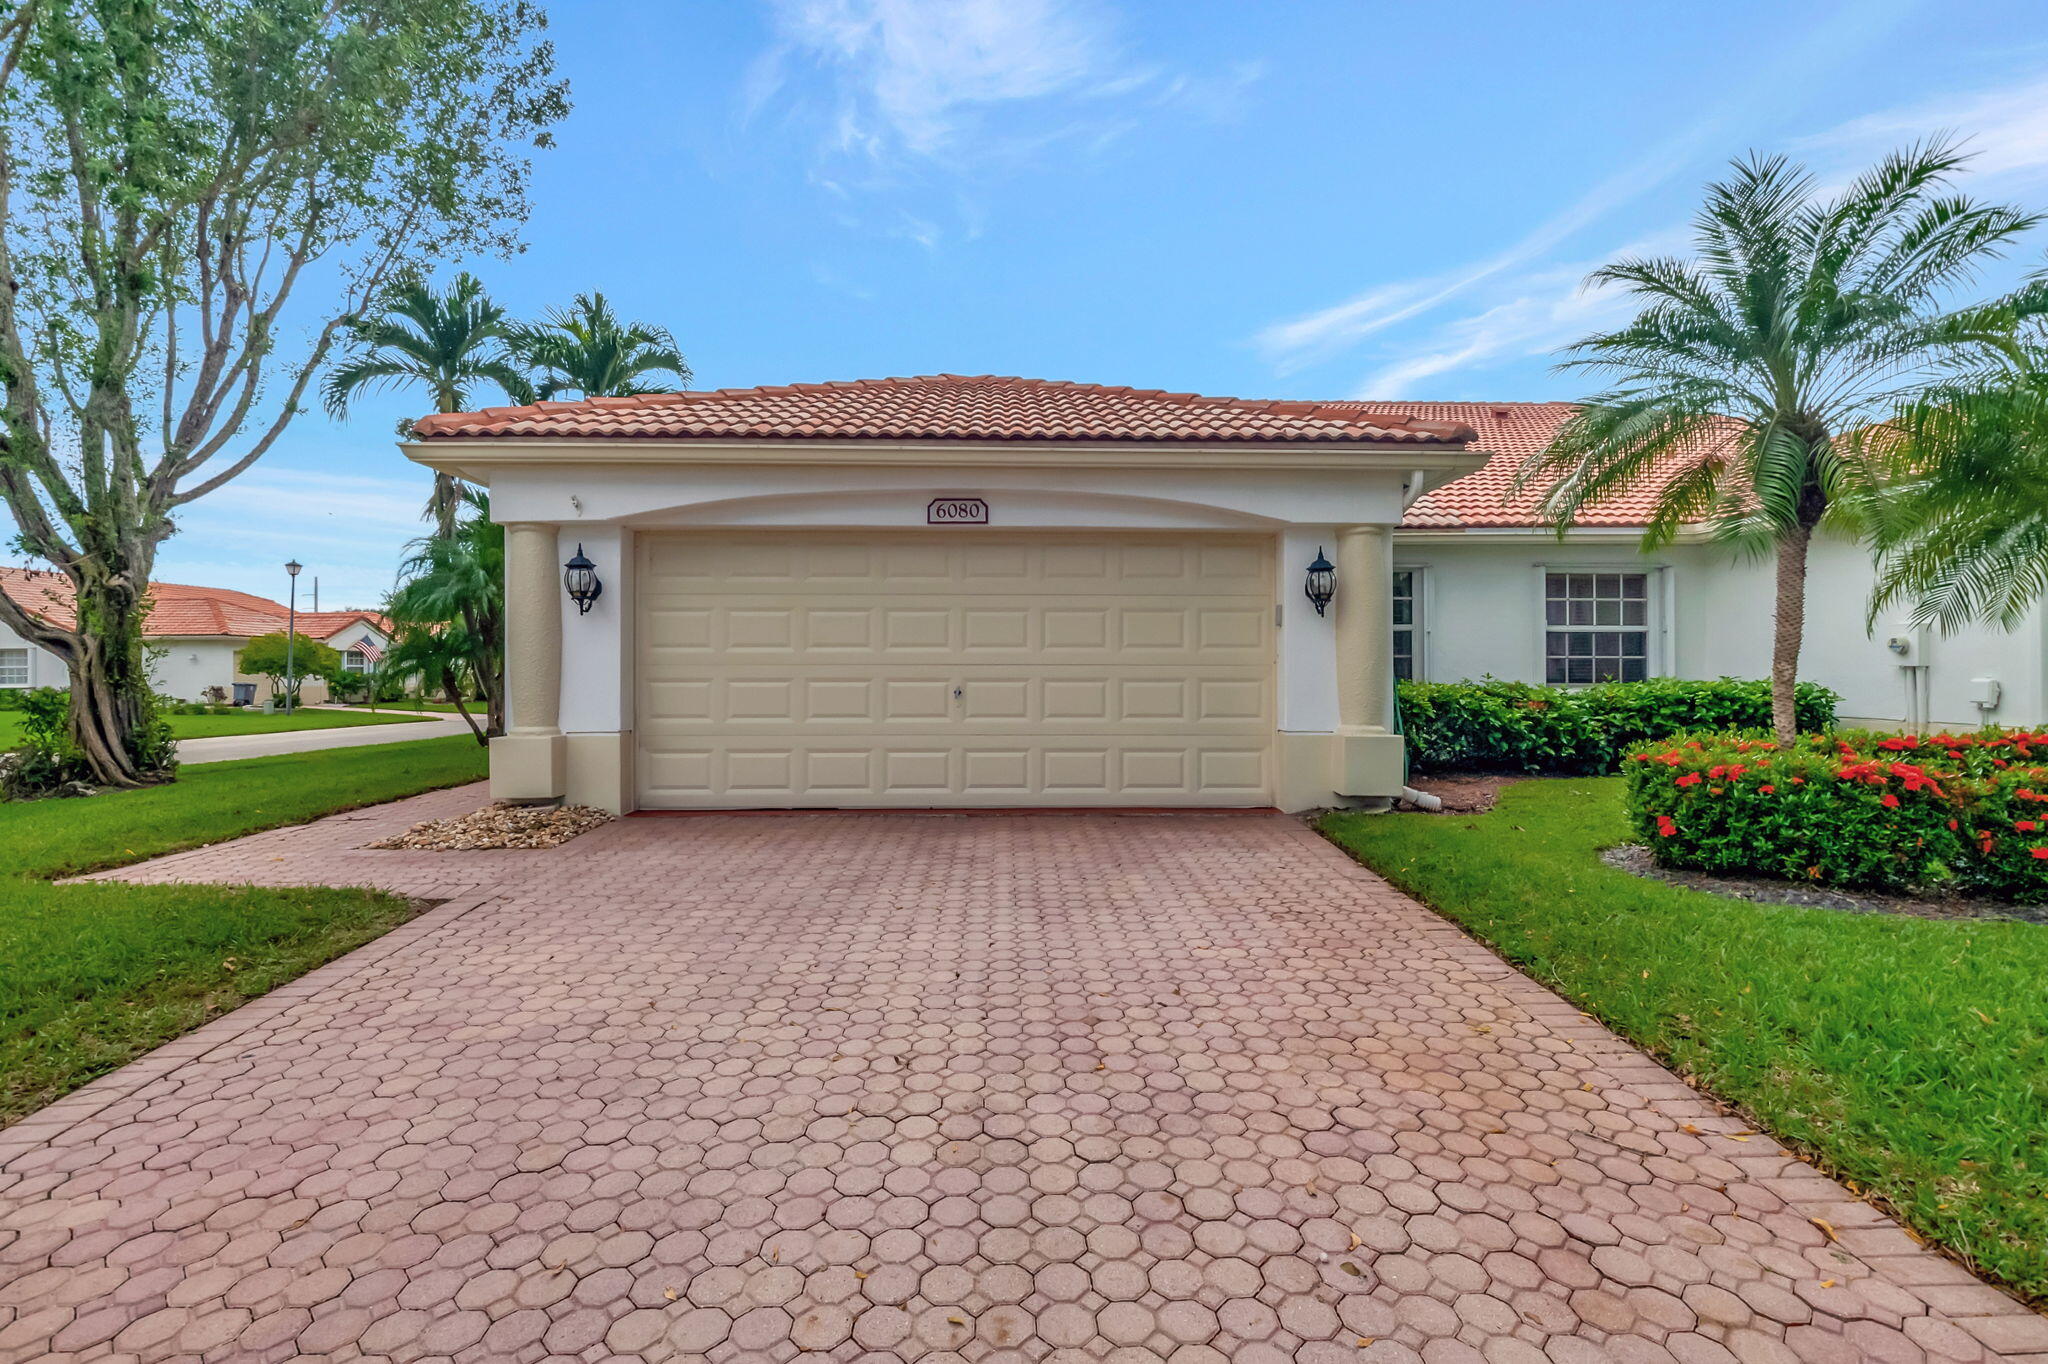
x=1740 y=390
x=448 y=342
x=195 y=197
x=586 y=350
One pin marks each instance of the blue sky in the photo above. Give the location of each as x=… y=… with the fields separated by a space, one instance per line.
x=1319 y=198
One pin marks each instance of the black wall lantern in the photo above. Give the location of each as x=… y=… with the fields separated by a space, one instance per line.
x=1322 y=582
x=579 y=576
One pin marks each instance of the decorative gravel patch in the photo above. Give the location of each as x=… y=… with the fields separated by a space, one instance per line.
x=500 y=826
x=1635 y=859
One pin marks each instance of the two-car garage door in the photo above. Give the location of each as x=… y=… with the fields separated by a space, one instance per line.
x=953 y=669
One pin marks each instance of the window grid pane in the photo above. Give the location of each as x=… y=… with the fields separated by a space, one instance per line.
x=1404 y=625
x=1580 y=657
x=13 y=667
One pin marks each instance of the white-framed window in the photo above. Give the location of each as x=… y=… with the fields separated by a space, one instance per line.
x=1407 y=624
x=1596 y=627
x=13 y=667
x=354 y=661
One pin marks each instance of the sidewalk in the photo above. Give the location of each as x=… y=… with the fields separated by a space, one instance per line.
x=309 y=740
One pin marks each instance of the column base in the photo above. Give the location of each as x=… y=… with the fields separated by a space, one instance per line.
x=529 y=768
x=1371 y=765
x=1318 y=770
x=601 y=771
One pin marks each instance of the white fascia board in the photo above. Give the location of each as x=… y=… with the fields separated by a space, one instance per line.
x=474 y=460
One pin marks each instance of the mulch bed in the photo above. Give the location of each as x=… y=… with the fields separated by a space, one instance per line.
x=1465 y=793
x=499 y=826
x=1635 y=859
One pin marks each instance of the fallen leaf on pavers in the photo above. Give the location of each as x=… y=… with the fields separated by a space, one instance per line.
x=1355 y=1242
x=956 y=1321
x=860 y=1273
x=1690 y=1129
x=1827 y=1283
x=1364 y=1342
x=670 y=1294
x=1827 y=1230
x=1353 y=1270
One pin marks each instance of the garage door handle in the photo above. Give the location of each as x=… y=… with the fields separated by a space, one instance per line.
x=957 y=693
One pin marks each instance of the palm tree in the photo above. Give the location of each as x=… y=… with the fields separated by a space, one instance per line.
x=1963 y=528
x=1743 y=386
x=448 y=612
x=584 y=349
x=445 y=341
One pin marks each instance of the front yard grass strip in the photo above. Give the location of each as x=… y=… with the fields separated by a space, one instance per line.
x=95 y=975
x=1906 y=1056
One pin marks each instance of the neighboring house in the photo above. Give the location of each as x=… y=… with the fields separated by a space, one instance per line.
x=195 y=634
x=985 y=591
x=1483 y=587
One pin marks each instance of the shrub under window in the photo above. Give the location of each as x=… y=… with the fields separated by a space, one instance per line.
x=1491 y=725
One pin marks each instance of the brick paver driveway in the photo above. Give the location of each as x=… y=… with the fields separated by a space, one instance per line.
x=898 y=1087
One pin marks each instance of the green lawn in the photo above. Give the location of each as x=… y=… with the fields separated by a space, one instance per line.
x=1907 y=1056
x=95 y=975
x=241 y=722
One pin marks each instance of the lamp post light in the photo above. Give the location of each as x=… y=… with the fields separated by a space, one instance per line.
x=291 y=636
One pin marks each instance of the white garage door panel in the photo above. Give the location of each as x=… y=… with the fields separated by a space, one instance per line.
x=954 y=669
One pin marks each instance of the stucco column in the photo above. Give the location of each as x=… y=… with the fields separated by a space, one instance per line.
x=1368 y=754
x=533 y=665
x=1365 y=631
x=527 y=763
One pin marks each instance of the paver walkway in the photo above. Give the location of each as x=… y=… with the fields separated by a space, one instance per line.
x=901 y=1087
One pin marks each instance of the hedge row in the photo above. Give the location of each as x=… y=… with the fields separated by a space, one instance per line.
x=1958 y=813
x=1491 y=725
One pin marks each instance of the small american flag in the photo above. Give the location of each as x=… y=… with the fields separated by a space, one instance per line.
x=371 y=651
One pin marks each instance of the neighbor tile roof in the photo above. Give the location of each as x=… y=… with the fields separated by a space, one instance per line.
x=178 y=609
x=1510 y=433
x=983 y=407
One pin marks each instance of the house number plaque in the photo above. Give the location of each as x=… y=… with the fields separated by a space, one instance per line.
x=956 y=511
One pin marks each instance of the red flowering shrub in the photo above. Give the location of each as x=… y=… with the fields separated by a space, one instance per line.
x=1965 y=812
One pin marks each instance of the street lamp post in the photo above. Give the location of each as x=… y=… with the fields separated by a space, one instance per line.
x=291 y=636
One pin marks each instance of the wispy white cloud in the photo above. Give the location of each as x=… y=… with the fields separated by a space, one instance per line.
x=911 y=76
x=1538 y=312
x=901 y=91
x=2004 y=128
x=1520 y=301
x=349 y=530
x=1295 y=343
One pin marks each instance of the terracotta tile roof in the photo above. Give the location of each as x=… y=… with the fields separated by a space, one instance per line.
x=983 y=407
x=178 y=609
x=1510 y=432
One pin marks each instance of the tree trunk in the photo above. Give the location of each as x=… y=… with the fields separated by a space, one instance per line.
x=453 y=686
x=1790 y=632
x=447 y=499
x=111 y=699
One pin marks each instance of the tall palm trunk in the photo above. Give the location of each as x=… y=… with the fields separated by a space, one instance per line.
x=443 y=503
x=1790 y=631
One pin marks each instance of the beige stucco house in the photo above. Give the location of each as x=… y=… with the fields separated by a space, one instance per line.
x=947 y=592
